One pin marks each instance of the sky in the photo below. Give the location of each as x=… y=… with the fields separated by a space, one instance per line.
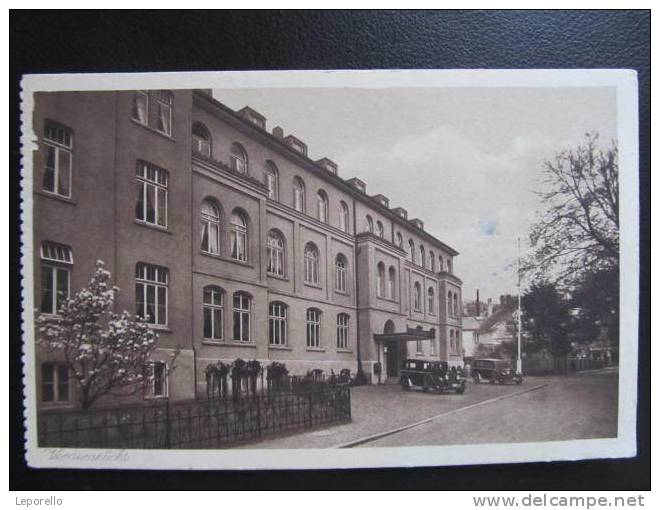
x=467 y=160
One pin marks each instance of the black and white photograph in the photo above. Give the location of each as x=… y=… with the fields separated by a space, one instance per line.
x=246 y=269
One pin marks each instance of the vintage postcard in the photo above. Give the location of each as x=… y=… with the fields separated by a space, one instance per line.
x=272 y=270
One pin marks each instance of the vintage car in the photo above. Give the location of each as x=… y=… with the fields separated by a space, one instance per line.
x=495 y=371
x=431 y=375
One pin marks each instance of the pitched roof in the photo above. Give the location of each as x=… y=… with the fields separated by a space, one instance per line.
x=504 y=313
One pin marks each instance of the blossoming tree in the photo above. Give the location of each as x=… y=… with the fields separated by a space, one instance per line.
x=107 y=353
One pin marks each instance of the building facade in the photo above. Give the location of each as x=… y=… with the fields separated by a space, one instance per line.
x=230 y=240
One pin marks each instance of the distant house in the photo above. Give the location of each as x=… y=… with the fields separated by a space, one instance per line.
x=496 y=329
x=471 y=327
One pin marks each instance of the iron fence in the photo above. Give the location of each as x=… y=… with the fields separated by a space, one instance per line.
x=212 y=423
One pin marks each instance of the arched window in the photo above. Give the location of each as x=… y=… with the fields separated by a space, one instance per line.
x=201 y=140
x=238 y=236
x=458 y=342
x=343 y=217
x=431 y=261
x=342 y=330
x=434 y=343
x=441 y=264
x=213 y=308
x=275 y=245
x=380 y=282
x=322 y=206
x=238 y=158
x=311 y=264
x=449 y=266
x=391 y=283
x=399 y=240
x=389 y=327
x=277 y=323
x=417 y=303
x=241 y=317
x=56 y=265
x=210 y=227
x=431 y=301
x=456 y=310
x=422 y=256
x=340 y=273
x=271 y=180
x=452 y=348
x=299 y=195
x=370 y=224
x=380 y=230
x=313 y=328
x=411 y=245
x=449 y=304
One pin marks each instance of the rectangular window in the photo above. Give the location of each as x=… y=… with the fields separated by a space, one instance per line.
x=342 y=331
x=163 y=111
x=241 y=318
x=340 y=283
x=55 y=276
x=55 y=383
x=151 y=203
x=419 y=347
x=277 y=324
x=157 y=380
x=140 y=111
x=313 y=328
x=151 y=284
x=58 y=144
x=433 y=347
x=213 y=303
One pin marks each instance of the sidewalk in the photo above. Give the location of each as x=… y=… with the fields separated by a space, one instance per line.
x=379 y=408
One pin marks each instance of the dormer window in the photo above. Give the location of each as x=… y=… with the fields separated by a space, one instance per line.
x=358 y=184
x=253 y=117
x=296 y=144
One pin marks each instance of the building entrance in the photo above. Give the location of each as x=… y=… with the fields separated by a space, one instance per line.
x=392 y=358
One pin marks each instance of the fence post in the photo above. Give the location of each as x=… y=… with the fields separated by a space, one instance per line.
x=348 y=399
x=310 y=406
x=167 y=424
x=258 y=416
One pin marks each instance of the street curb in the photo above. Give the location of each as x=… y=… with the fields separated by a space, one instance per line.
x=379 y=435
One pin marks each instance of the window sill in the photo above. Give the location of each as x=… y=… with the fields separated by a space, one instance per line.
x=160 y=327
x=225 y=259
x=57 y=406
x=152 y=129
x=234 y=343
x=156 y=397
x=158 y=228
x=277 y=277
x=55 y=196
x=347 y=351
x=280 y=347
x=312 y=285
x=315 y=349
x=213 y=342
x=389 y=300
x=342 y=293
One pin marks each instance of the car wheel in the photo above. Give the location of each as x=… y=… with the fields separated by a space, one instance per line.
x=428 y=383
x=460 y=391
x=476 y=379
x=405 y=383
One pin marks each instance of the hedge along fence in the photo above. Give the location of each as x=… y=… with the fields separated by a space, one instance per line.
x=210 y=423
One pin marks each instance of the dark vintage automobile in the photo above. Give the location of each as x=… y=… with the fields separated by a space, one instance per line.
x=431 y=375
x=495 y=371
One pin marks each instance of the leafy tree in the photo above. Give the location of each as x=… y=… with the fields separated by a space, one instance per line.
x=596 y=303
x=546 y=319
x=106 y=352
x=578 y=230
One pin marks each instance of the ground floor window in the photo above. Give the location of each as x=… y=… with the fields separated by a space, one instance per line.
x=342 y=331
x=157 y=379
x=313 y=328
x=55 y=383
x=277 y=323
x=241 y=317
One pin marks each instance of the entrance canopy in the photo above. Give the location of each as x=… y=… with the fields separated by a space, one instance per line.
x=410 y=335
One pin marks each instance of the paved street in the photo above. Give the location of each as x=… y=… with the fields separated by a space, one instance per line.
x=542 y=409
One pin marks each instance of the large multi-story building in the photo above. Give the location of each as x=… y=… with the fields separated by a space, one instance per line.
x=230 y=240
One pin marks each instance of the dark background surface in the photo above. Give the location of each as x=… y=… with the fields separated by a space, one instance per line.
x=99 y=41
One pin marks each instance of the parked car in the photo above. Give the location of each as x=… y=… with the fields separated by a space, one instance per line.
x=495 y=371
x=431 y=375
